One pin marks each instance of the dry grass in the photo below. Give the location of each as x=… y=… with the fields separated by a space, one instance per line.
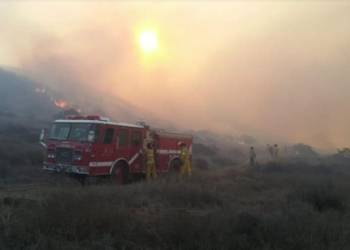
x=20 y=162
x=231 y=209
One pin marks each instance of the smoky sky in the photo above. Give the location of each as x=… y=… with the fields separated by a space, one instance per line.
x=277 y=71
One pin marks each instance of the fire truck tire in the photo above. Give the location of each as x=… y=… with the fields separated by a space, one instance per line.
x=175 y=167
x=125 y=174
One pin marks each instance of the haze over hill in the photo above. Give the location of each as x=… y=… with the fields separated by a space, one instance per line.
x=27 y=107
x=276 y=71
x=23 y=98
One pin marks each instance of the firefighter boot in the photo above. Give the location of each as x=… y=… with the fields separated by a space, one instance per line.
x=186 y=169
x=154 y=171
x=148 y=171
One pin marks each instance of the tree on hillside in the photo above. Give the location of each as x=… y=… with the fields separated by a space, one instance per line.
x=342 y=156
x=345 y=152
x=199 y=148
x=63 y=113
x=237 y=153
x=303 y=150
x=246 y=139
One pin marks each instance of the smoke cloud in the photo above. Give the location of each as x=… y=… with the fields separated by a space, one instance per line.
x=277 y=71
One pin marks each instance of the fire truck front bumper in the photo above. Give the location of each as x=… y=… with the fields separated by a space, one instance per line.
x=66 y=168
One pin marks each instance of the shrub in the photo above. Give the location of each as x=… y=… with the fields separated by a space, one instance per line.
x=5 y=170
x=17 y=152
x=237 y=154
x=299 y=167
x=240 y=210
x=223 y=161
x=199 y=148
x=201 y=164
x=322 y=196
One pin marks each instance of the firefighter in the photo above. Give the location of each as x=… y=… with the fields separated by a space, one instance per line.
x=185 y=160
x=252 y=156
x=277 y=153
x=150 y=162
x=270 y=149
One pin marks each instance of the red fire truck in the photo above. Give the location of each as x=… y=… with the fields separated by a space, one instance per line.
x=91 y=146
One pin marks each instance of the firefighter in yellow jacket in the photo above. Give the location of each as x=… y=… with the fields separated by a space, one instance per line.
x=185 y=160
x=150 y=162
x=277 y=153
x=252 y=156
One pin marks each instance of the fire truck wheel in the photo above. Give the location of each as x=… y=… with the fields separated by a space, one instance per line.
x=124 y=173
x=175 y=167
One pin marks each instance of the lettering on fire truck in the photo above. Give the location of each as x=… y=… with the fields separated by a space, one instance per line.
x=94 y=146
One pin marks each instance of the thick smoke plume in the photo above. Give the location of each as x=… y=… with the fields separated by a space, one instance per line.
x=275 y=71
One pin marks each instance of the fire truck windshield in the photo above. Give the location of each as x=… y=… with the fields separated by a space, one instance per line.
x=71 y=131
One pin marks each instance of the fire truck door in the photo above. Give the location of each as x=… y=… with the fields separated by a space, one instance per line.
x=122 y=145
x=136 y=150
x=105 y=152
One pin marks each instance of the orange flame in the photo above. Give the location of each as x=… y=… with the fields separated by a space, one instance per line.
x=60 y=103
x=39 y=90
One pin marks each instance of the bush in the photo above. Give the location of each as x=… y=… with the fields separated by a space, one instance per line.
x=5 y=170
x=299 y=167
x=17 y=152
x=322 y=196
x=223 y=162
x=237 y=154
x=201 y=149
x=201 y=164
x=304 y=151
x=342 y=157
x=213 y=210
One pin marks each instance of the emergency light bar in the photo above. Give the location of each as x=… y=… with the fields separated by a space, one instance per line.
x=105 y=119
x=141 y=122
x=87 y=117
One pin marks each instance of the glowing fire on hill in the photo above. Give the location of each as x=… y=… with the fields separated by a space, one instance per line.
x=40 y=90
x=61 y=103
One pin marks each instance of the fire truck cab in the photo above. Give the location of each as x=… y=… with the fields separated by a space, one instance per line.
x=91 y=146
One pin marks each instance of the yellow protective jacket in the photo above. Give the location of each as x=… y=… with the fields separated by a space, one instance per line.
x=149 y=155
x=252 y=153
x=185 y=155
x=277 y=152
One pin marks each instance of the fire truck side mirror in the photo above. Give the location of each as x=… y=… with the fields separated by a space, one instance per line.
x=91 y=136
x=42 y=135
x=41 y=138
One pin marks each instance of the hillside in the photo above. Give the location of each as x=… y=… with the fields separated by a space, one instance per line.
x=21 y=102
x=226 y=205
x=27 y=103
x=22 y=97
x=27 y=107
